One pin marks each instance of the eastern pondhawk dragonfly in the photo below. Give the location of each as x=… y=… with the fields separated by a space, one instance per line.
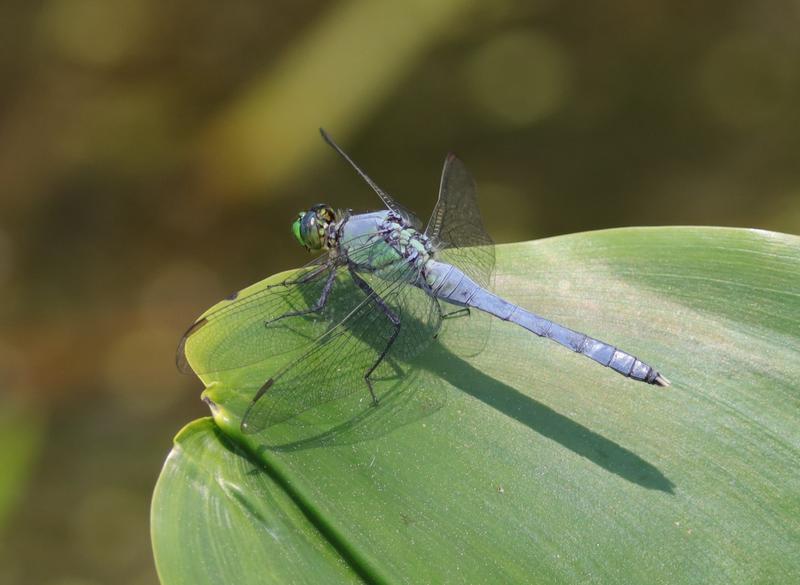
x=381 y=290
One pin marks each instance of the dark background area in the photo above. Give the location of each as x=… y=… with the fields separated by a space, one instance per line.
x=153 y=156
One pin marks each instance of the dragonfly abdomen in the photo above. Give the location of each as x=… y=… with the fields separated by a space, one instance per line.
x=450 y=284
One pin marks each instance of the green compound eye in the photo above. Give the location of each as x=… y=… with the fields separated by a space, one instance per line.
x=296 y=230
x=310 y=227
x=309 y=231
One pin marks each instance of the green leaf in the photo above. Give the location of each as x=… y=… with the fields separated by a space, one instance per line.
x=529 y=463
x=218 y=518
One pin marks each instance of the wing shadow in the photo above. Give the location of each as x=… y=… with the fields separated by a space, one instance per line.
x=421 y=392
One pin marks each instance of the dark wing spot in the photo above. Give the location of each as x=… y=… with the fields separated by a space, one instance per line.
x=180 y=357
x=232 y=296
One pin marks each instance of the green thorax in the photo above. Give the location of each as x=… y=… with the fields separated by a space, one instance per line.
x=378 y=241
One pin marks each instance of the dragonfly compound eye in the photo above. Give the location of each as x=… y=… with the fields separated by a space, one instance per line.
x=310 y=228
x=297 y=229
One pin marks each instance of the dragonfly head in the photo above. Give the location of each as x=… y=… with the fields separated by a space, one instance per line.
x=311 y=227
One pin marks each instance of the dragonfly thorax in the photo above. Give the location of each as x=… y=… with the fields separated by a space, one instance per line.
x=412 y=245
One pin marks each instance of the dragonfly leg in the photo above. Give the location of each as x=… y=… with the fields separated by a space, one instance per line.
x=307 y=277
x=462 y=312
x=316 y=307
x=393 y=318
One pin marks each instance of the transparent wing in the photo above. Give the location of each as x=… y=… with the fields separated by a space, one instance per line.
x=456 y=226
x=335 y=365
x=460 y=237
x=249 y=326
x=243 y=330
x=388 y=200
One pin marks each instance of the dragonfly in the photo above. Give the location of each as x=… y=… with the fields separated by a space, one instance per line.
x=378 y=293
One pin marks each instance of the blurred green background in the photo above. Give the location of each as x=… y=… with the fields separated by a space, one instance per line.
x=153 y=155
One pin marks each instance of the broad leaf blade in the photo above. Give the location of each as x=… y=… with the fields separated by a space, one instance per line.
x=218 y=518
x=529 y=463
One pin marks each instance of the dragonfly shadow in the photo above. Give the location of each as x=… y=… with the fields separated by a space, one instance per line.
x=422 y=391
x=546 y=421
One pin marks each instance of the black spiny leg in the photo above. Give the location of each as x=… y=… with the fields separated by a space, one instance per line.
x=395 y=320
x=316 y=307
x=462 y=312
x=307 y=277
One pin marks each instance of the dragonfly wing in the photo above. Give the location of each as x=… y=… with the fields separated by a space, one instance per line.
x=253 y=325
x=335 y=365
x=456 y=226
x=246 y=328
x=387 y=199
x=461 y=239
